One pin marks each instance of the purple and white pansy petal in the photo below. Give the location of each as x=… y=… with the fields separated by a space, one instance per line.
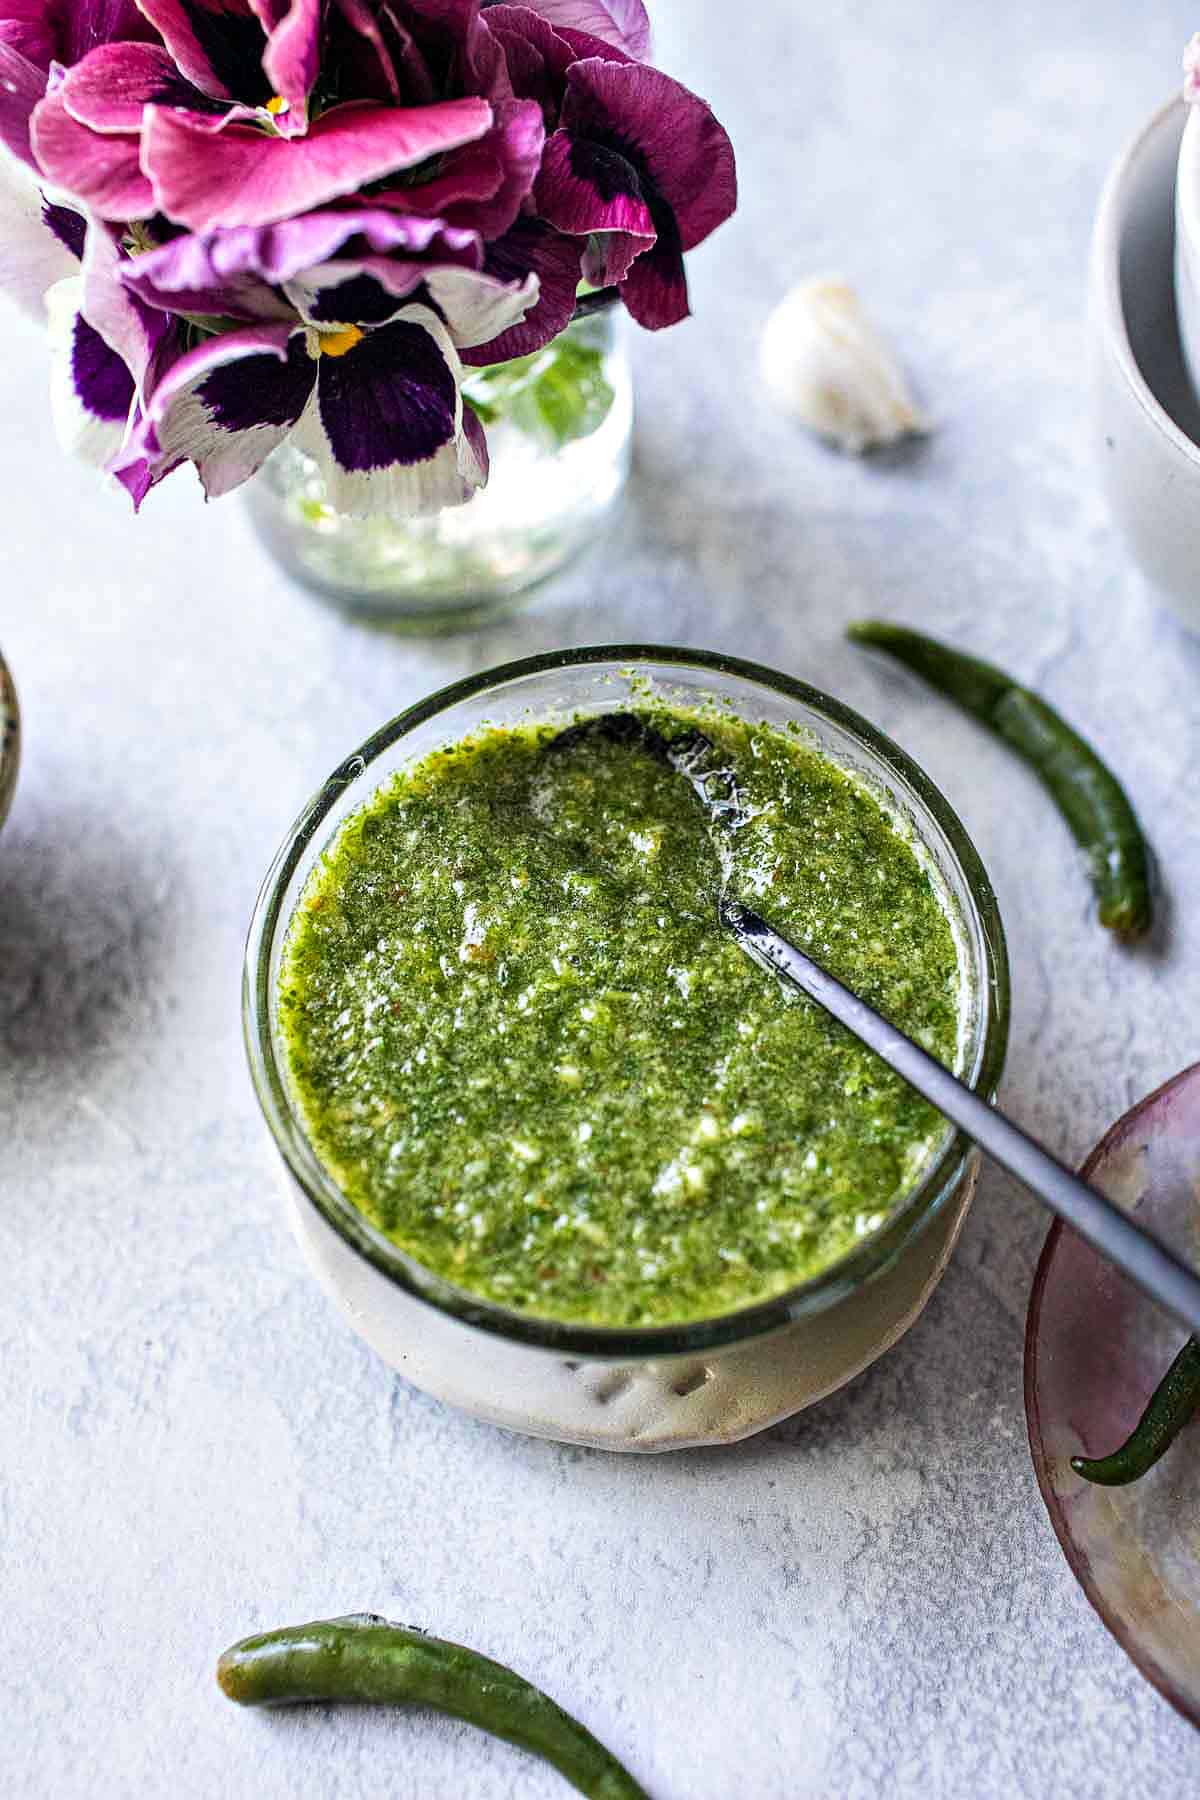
x=67 y=225
x=218 y=274
x=91 y=391
x=237 y=272
x=131 y=329
x=243 y=176
x=217 y=44
x=243 y=298
x=532 y=248
x=369 y=290
x=103 y=172
x=473 y=457
x=279 y=252
x=477 y=307
x=224 y=407
x=137 y=478
x=622 y=24
x=345 y=295
x=386 y=421
x=34 y=253
x=22 y=85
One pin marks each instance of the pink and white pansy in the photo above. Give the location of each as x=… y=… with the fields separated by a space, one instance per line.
x=253 y=221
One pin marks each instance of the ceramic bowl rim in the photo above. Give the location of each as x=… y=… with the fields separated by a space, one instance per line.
x=1112 y=215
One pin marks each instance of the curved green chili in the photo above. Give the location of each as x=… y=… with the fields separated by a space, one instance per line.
x=1175 y=1400
x=366 y=1658
x=1087 y=793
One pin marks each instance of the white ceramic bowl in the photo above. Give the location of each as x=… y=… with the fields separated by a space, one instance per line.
x=1187 y=246
x=1146 y=417
x=10 y=739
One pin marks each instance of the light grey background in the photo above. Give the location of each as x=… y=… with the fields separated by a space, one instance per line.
x=868 y=1601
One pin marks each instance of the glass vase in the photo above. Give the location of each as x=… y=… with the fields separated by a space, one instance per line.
x=559 y=427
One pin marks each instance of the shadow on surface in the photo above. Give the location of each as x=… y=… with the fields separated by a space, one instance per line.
x=85 y=923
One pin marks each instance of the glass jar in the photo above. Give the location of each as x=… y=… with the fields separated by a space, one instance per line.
x=560 y=431
x=672 y=1386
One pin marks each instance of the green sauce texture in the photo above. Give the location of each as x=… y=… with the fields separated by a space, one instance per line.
x=524 y=1048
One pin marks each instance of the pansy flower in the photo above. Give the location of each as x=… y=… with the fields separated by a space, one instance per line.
x=211 y=126
x=355 y=319
x=642 y=168
x=104 y=341
x=268 y=221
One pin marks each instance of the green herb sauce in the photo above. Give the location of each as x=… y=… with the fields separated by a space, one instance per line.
x=524 y=1048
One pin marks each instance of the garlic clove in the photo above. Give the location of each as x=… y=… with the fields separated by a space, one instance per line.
x=827 y=366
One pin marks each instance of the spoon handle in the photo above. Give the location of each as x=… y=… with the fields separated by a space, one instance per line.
x=1134 y=1250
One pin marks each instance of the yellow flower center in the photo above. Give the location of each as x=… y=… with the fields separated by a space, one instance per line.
x=276 y=105
x=336 y=343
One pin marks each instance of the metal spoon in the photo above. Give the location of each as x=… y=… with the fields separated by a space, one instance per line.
x=1138 y=1253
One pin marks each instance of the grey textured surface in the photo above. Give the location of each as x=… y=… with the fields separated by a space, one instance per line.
x=866 y=1601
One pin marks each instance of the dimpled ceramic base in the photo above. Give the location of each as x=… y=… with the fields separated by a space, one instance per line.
x=679 y=1404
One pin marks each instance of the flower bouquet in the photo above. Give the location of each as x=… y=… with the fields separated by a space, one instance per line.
x=362 y=230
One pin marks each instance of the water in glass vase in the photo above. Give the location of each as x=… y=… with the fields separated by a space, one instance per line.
x=559 y=427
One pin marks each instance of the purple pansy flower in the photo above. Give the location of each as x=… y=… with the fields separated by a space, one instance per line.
x=365 y=311
x=643 y=168
x=251 y=221
x=104 y=341
x=36 y=250
x=380 y=408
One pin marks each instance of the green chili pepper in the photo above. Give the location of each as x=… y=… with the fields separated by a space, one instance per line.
x=1087 y=793
x=366 y=1658
x=1175 y=1400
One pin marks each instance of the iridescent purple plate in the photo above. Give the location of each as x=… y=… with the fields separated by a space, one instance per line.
x=1095 y=1350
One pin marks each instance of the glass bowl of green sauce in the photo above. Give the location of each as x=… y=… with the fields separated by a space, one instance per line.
x=561 y=1153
